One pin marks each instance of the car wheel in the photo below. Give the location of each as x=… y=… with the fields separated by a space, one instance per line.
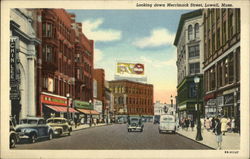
x=128 y=130
x=50 y=135
x=69 y=133
x=160 y=131
x=33 y=138
x=12 y=141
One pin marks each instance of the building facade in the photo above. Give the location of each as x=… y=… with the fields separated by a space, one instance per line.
x=64 y=63
x=23 y=53
x=188 y=41
x=132 y=98
x=222 y=62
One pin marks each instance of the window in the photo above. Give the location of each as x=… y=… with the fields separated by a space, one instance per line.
x=194 y=51
x=224 y=32
x=196 y=28
x=190 y=32
x=237 y=20
x=192 y=90
x=231 y=68
x=194 y=68
x=226 y=71
x=213 y=42
x=47 y=30
x=212 y=79
x=218 y=38
x=230 y=26
x=47 y=53
x=238 y=64
x=220 y=66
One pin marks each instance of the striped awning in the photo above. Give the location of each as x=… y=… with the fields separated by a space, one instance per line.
x=86 y=111
x=61 y=109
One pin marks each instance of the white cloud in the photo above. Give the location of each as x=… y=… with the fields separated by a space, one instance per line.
x=91 y=28
x=158 y=37
x=98 y=56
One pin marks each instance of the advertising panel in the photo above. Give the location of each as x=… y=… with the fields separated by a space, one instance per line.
x=98 y=105
x=130 y=68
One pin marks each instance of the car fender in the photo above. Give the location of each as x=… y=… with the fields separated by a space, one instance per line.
x=29 y=131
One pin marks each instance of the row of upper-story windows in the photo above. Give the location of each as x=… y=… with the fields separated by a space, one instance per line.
x=129 y=90
x=193 y=31
x=130 y=100
x=140 y=110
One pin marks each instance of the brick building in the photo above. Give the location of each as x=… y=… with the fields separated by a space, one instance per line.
x=60 y=71
x=222 y=62
x=99 y=76
x=132 y=98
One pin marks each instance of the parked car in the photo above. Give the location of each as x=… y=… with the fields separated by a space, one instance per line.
x=135 y=123
x=167 y=123
x=14 y=137
x=59 y=125
x=34 y=128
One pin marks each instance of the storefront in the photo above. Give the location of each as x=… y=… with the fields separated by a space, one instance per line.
x=87 y=113
x=54 y=105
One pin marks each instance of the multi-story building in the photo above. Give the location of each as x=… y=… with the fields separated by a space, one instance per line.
x=23 y=43
x=188 y=41
x=222 y=62
x=60 y=76
x=132 y=98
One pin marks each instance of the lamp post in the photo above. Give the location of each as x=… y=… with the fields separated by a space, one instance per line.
x=90 y=119
x=171 y=98
x=68 y=96
x=198 y=135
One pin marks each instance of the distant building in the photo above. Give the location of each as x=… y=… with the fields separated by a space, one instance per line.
x=188 y=41
x=163 y=108
x=132 y=98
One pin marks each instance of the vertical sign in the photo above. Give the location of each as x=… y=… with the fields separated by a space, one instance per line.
x=14 y=68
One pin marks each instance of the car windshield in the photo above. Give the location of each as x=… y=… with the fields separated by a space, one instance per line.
x=57 y=121
x=28 y=121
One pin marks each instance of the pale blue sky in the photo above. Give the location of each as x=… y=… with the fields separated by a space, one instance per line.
x=135 y=35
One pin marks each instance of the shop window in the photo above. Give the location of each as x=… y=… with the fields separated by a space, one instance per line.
x=194 y=68
x=192 y=90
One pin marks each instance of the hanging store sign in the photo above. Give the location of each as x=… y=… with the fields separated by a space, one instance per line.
x=211 y=102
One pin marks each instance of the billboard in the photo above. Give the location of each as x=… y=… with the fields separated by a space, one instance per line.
x=130 y=68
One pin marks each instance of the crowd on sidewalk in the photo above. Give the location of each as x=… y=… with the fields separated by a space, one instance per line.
x=217 y=126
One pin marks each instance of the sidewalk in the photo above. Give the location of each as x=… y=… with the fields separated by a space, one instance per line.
x=231 y=141
x=85 y=126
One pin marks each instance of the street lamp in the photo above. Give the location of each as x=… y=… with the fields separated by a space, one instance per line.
x=90 y=120
x=68 y=96
x=171 y=98
x=198 y=135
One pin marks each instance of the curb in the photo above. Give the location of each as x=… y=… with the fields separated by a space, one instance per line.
x=196 y=141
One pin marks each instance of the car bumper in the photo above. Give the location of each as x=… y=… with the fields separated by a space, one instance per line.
x=135 y=128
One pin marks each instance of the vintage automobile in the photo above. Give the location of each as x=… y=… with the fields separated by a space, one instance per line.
x=14 y=137
x=135 y=123
x=34 y=128
x=60 y=126
x=167 y=123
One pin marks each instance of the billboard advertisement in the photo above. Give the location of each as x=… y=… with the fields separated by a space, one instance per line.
x=130 y=68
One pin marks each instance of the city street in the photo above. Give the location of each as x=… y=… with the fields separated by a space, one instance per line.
x=116 y=137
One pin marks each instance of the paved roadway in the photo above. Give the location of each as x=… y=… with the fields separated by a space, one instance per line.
x=116 y=137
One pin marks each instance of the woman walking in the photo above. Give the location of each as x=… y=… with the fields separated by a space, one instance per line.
x=223 y=125
x=218 y=133
x=207 y=124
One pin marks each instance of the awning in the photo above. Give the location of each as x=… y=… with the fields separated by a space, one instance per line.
x=86 y=111
x=61 y=109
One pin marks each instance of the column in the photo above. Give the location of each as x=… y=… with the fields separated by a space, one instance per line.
x=31 y=80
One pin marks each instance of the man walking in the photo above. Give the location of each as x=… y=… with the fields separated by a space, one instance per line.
x=218 y=133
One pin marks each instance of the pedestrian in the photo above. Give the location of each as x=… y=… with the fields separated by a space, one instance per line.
x=212 y=123
x=218 y=133
x=207 y=124
x=228 y=124
x=192 y=124
x=223 y=125
x=75 y=120
x=186 y=123
x=233 y=125
x=94 y=121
